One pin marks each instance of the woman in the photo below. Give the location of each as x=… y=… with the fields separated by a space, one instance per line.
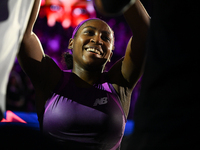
x=86 y=108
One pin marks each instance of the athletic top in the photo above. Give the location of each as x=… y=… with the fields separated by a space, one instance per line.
x=86 y=118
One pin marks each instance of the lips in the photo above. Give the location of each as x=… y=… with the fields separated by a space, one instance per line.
x=94 y=50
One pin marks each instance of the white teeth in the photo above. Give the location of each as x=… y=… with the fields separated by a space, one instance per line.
x=93 y=50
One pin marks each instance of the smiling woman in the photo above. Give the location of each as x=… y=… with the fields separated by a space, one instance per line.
x=85 y=107
x=88 y=30
x=95 y=42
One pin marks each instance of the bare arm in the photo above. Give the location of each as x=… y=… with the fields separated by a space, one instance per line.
x=32 y=58
x=30 y=44
x=133 y=63
x=42 y=70
x=126 y=72
x=130 y=68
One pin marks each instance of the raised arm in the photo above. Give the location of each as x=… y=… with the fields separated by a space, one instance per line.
x=133 y=63
x=32 y=58
x=130 y=68
x=31 y=46
x=42 y=70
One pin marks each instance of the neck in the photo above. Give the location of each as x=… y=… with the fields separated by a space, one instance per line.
x=89 y=77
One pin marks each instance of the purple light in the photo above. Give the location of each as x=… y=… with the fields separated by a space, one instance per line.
x=54 y=44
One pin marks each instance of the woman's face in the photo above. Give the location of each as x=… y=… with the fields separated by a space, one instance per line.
x=93 y=45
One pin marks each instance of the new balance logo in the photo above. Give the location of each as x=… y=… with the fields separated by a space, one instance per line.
x=101 y=101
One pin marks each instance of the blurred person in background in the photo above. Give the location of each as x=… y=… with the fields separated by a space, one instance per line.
x=15 y=95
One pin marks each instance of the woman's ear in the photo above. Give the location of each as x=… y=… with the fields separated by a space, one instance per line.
x=71 y=42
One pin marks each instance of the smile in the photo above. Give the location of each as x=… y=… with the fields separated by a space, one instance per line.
x=94 y=50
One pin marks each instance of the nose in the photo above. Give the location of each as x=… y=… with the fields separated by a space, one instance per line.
x=97 y=40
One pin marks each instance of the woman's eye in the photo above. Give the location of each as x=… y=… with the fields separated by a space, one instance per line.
x=106 y=38
x=89 y=32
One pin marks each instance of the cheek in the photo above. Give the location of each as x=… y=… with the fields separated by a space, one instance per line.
x=82 y=41
x=78 y=44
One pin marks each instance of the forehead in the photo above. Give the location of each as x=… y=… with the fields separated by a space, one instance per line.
x=97 y=25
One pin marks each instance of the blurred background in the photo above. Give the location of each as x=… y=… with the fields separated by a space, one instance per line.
x=54 y=26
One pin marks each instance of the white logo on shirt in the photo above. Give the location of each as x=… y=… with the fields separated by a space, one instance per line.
x=101 y=101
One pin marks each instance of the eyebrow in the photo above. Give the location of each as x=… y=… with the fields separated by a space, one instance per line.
x=90 y=27
x=96 y=28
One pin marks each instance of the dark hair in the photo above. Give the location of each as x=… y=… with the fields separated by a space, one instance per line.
x=68 y=59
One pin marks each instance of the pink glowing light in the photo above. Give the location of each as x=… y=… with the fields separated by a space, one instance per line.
x=11 y=117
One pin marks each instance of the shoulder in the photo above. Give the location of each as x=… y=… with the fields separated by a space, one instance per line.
x=64 y=80
x=123 y=91
x=50 y=74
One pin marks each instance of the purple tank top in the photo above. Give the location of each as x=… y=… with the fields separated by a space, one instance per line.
x=92 y=117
